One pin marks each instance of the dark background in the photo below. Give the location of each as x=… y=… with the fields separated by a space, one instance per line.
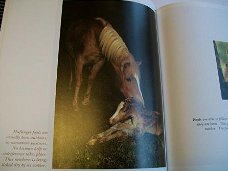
x=135 y=23
x=2 y=6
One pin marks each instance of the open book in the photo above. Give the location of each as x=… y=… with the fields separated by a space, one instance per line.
x=113 y=85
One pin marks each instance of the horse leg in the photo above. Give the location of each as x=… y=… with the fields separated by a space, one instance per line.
x=116 y=131
x=106 y=136
x=78 y=76
x=71 y=79
x=116 y=134
x=96 y=67
x=71 y=76
x=96 y=138
x=70 y=55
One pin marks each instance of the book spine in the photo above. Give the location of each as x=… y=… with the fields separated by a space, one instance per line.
x=2 y=5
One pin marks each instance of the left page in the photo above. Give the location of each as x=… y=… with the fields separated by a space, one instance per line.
x=28 y=60
x=41 y=127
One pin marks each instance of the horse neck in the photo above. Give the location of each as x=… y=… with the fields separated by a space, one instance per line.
x=118 y=63
x=121 y=59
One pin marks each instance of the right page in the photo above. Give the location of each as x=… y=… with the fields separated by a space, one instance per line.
x=194 y=59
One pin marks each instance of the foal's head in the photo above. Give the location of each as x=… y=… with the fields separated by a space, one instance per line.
x=144 y=120
x=125 y=110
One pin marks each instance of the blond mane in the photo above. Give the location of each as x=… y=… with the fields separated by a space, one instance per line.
x=112 y=45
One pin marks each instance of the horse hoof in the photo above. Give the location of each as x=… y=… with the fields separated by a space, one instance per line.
x=75 y=107
x=85 y=102
x=91 y=142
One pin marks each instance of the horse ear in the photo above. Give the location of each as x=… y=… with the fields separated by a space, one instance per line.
x=139 y=63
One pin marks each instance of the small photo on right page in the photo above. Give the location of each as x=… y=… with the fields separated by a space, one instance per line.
x=221 y=53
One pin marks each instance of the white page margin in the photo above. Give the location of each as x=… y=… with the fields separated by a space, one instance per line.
x=184 y=42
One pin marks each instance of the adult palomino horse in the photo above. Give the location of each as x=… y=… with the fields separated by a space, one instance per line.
x=130 y=118
x=92 y=42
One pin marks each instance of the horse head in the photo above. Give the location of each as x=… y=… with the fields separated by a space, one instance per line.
x=124 y=111
x=130 y=79
x=115 y=50
x=142 y=119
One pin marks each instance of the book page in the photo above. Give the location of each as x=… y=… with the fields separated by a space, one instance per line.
x=98 y=68
x=28 y=60
x=194 y=54
x=34 y=134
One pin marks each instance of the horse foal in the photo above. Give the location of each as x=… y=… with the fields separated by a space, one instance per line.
x=131 y=118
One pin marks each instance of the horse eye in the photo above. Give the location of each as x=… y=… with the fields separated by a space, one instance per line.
x=128 y=79
x=126 y=65
x=125 y=109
